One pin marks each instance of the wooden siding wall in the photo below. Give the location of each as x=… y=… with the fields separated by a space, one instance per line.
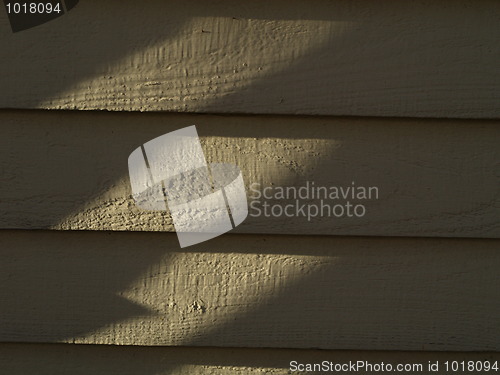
x=401 y=95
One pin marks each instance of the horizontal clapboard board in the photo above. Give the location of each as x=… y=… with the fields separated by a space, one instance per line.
x=437 y=178
x=368 y=58
x=41 y=359
x=250 y=291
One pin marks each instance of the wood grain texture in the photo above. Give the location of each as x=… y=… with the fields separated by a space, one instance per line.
x=363 y=58
x=250 y=291
x=40 y=359
x=68 y=170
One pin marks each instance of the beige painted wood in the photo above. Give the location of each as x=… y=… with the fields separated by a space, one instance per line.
x=68 y=170
x=250 y=291
x=29 y=359
x=369 y=58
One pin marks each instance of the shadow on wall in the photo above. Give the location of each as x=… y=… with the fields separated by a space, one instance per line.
x=56 y=293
